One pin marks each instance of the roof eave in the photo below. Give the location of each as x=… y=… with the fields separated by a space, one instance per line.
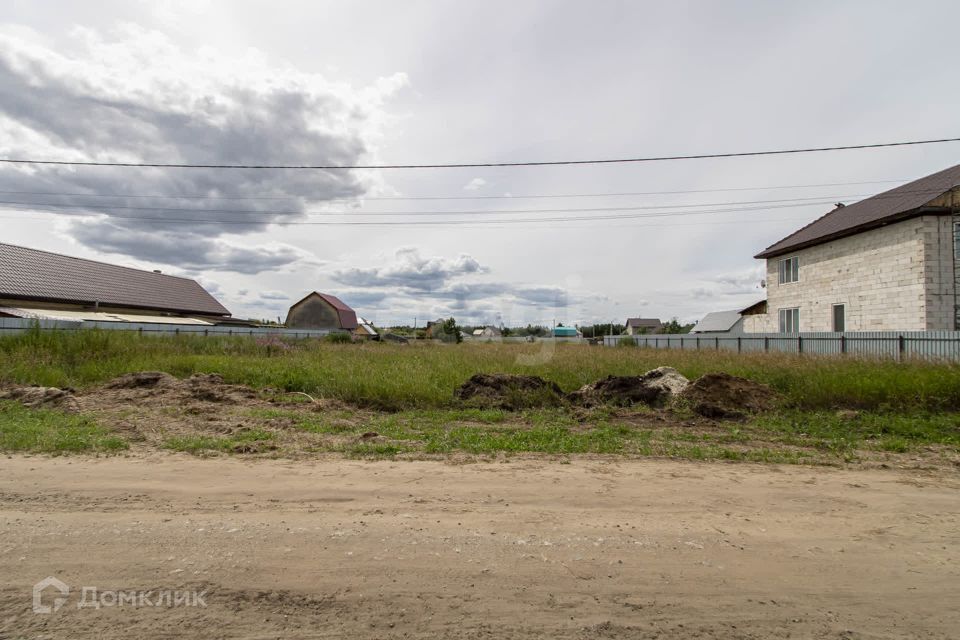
x=875 y=224
x=106 y=303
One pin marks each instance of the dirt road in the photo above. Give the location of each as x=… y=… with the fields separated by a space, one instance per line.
x=527 y=548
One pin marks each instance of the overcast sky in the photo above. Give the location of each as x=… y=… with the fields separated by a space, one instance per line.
x=317 y=82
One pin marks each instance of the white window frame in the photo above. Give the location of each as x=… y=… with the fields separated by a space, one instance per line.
x=788 y=270
x=789 y=320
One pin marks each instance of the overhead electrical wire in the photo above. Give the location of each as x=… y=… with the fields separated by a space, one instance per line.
x=411 y=222
x=478 y=165
x=819 y=200
x=458 y=197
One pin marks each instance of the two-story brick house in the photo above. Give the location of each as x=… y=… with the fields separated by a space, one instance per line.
x=886 y=263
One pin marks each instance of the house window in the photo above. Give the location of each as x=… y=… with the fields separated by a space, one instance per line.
x=789 y=270
x=839 y=323
x=789 y=320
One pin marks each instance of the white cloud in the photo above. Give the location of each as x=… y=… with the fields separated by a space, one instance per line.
x=138 y=97
x=475 y=184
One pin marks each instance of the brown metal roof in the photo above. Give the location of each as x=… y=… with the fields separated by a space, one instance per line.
x=31 y=274
x=896 y=204
x=643 y=322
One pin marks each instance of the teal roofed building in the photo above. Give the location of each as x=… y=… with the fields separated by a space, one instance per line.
x=566 y=332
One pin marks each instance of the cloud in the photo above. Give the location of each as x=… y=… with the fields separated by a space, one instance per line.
x=137 y=97
x=274 y=295
x=410 y=270
x=362 y=298
x=475 y=184
x=187 y=252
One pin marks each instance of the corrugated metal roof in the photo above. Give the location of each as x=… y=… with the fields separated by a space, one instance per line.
x=31 y=274
x=717 y=321
x=896 y=204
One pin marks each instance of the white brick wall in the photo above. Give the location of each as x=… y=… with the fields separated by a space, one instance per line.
x=896 y=278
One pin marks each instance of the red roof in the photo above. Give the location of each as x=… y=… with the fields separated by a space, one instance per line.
x=906 y=201
x=32 y=274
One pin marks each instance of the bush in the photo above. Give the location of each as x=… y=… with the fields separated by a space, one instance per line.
x=339 y=337
x=626 y=341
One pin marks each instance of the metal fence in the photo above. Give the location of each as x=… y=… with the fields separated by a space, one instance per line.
x=939 y=345
x=9 y=326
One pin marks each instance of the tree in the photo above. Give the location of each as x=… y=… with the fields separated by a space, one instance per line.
x=674 y=326
x=449 y=331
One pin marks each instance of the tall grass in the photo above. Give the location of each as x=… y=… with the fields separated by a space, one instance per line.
x=390 y=376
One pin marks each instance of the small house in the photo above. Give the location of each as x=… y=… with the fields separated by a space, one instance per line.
x=637 y=326
x=321 y=311
x=486 y=332
x=720 y=322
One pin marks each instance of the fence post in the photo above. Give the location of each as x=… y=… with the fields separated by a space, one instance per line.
x=901 y=346
x=717 y=345
x=766 y=344
x=843 y=343
x=799 y=343
x=698 y=343
x=739 y=346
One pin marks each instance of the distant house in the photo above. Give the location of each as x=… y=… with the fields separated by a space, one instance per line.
x=321 y=311
x=51 y=286
x=635 y=326
x=486 y=332
x=887 y=263
x=566 y=332
x=720 y=322
x=365 y=330
x=434 y=327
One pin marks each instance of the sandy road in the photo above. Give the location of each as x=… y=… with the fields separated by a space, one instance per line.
x=590 y=549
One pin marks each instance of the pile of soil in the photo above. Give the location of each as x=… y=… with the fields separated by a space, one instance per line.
x=162 y=388
x=721 y=395
x=509 y=391
x=655 y=388
x=43 y=398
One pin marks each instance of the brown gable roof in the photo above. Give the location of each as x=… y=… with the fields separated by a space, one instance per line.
x=31 y=274
x=347 y=316
x=897 y=204
x=644 y=322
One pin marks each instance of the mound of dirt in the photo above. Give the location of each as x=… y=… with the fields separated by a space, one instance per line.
x=43 y=398
x=721 y=395
x=655 y=388
x=509 y=391
x=142 y=380
x=156 y=387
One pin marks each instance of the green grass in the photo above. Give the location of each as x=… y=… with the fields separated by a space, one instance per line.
x=405 y=394
x=894 y=432
x=237 y=442
x=423 y=376
x=43 y=431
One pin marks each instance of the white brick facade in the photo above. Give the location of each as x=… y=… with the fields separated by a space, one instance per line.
x=900 y=277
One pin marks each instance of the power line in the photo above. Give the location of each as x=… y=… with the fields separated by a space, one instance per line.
x=458 y=197
x=415 y=222
x=460 y=223
x=477 y=165
x=819 y=200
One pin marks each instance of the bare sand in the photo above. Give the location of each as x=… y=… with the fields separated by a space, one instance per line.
x=594 y=548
